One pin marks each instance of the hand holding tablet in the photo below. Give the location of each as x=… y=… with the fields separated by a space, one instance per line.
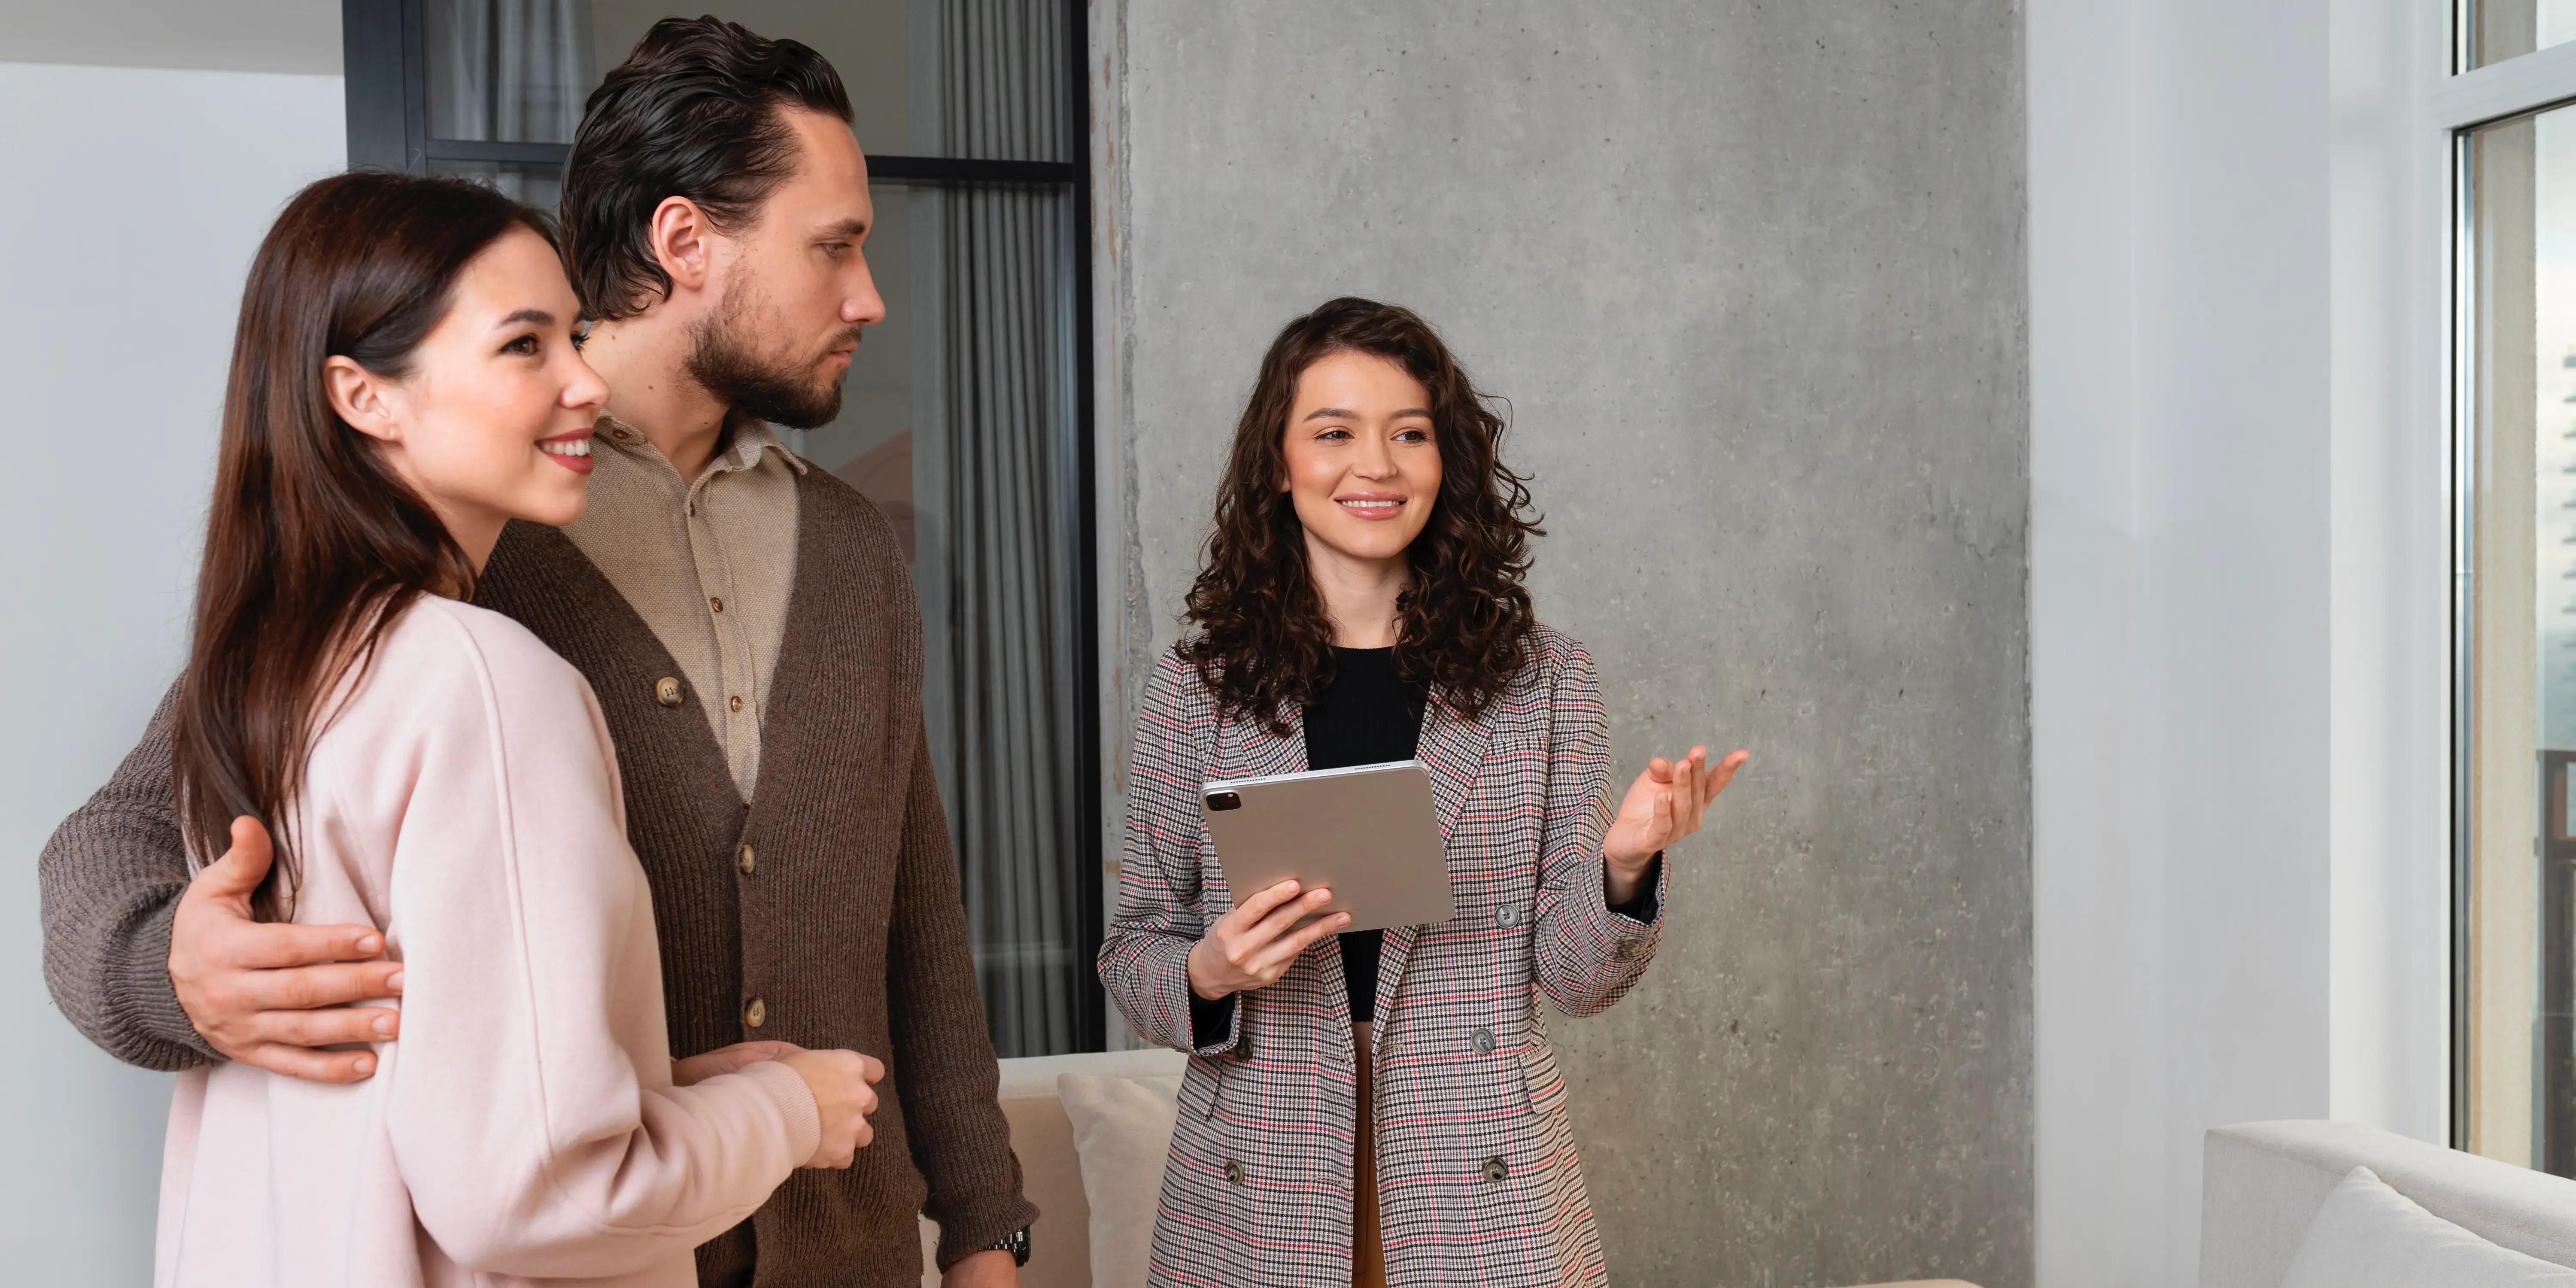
x=1312 y=854
x=1252 y=945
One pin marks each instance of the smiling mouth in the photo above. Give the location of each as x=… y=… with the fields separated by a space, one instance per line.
x=571 y=451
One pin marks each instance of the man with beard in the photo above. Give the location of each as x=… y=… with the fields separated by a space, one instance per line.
x=749 y=628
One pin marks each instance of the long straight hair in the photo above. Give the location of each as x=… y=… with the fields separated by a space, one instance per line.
x=314 y=545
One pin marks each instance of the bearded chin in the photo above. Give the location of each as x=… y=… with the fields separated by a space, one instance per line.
x=725 y=367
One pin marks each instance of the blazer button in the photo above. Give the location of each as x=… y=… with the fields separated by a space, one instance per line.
x=744 y=859
x=1485 y=1041
x=755 y=1014
x=1506 y=916
x=1234 y=1171
x=1243 y=1049
x=1496 y=1169
x=667 y=691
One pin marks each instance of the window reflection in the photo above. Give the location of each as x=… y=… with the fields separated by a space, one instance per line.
x=2495 y=30
x=2521 y=870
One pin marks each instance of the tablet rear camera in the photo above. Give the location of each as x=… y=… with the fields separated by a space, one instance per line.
x=1224 y=800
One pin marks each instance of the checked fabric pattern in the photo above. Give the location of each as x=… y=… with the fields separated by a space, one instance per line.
x=1478 y=1180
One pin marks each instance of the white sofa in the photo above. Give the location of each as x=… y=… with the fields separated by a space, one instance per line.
x=2264 y=1185
x=1051 y=1173
x=1043 y=1136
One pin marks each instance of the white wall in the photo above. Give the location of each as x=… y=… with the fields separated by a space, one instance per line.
x=135 y=200
x=2238 y=669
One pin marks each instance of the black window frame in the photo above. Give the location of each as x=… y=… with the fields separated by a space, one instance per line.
x=385 y=71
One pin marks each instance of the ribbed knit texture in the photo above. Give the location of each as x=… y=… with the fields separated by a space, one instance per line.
x=111 y=878
x=850 y=928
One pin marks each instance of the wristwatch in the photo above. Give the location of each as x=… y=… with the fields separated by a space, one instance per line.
x=1016 y=1243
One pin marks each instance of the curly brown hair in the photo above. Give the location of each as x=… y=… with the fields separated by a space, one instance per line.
x=1463 y=626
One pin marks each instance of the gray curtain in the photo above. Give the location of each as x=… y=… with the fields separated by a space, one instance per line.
x=512 y=71
x=998 y=510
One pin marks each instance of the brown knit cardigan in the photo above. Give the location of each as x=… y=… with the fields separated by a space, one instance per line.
x=846 y=923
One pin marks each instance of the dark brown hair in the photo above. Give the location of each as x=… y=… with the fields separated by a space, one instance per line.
x=313 y=544
x=1463 y=626
x=694 y=112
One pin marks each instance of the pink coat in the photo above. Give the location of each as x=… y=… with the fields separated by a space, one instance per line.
x=465 y=801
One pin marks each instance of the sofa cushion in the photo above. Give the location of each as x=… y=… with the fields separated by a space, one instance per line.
x=2370 y=1236
x=2264 y=1182
x=1122 y=1129
x=1051 y=1175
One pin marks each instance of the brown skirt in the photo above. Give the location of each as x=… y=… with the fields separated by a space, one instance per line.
x=1368 y=1254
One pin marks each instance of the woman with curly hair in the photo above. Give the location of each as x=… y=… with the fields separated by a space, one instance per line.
x=1382 y=1106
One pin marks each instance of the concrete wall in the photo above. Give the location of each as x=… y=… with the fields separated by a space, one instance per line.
x=147 y=191
x=1752 y=277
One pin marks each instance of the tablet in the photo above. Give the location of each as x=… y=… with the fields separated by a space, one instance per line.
x=1368 y=832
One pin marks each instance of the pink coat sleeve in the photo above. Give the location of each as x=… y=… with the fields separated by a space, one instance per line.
x=530 y=1104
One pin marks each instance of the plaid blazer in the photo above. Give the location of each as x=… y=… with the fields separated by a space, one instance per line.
x=1477 y=1177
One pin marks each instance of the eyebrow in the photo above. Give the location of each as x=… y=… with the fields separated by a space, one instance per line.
x=846 y=228
x=1344 y=413
x=537 y=316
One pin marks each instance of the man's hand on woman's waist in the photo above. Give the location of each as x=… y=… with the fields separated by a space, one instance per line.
x=274 y=994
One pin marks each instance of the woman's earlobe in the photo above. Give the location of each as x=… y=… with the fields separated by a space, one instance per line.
x=357 y=397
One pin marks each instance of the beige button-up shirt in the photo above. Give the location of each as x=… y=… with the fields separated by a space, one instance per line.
x=707 y=564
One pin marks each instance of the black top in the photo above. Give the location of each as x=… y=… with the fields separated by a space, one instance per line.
x=1365 y=715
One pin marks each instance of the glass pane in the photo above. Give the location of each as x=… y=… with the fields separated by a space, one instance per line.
x=958 y=418
x=2521 y=1089
x=962 y=78
x=2502 y=29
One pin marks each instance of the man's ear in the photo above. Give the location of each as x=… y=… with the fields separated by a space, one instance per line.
x=361 y=397
x=680 y=234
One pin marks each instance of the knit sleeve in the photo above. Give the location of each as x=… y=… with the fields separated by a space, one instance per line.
x=943 y=1065
x=110 y=881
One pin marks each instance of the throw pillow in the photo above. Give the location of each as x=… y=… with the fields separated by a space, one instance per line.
x=2370 y=1236
x=1122 y=1132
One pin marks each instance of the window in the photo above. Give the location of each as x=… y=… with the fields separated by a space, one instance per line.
x=2493 y=31
x=2513 y=378
x=965 y=416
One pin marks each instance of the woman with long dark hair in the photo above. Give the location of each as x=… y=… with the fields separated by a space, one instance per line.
x=1381 y=1107
x=405 y=381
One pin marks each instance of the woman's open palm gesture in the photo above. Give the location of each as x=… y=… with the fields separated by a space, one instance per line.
x=1665 y=804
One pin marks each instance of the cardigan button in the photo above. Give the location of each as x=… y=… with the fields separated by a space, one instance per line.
x=744 y=860
x=1234 y=1171
x=1496 y=1169
x=755 y=1014
x=667 y=691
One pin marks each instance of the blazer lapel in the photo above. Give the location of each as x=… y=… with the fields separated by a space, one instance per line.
x=1246 y=750
x=1452 y=750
